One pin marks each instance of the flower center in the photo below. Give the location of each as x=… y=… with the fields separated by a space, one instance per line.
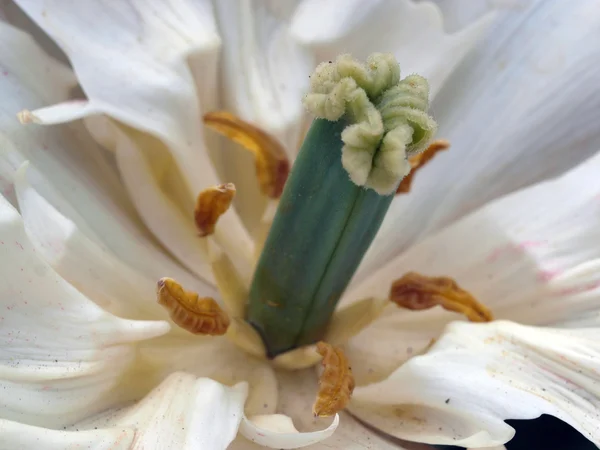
x=371 y=130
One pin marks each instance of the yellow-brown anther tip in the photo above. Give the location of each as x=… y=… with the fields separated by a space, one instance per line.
x=272 y=164
x=336 y=383
x=418 y=292
x=211 y=204
x=420 y=160
x=198 y=315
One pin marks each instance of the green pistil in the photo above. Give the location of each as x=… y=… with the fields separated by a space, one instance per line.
x=340 y=188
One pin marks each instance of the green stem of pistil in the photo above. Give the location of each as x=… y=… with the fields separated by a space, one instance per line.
x=324 y=225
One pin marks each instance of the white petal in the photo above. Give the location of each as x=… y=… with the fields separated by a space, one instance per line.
x=269 y=431
x=15 y=435
x=181 y=413
x=265 y=69
x=523 y=108
x=91 y=269
x=20 y=52
x=160 y=214
x=76 y=178
x=12 y=14
x=413 y=32
x=265 y=75
x=477 y=376
x=530 y=257
x=20 y=60
x=131 y=60
x=62 y=356
x=458 y=14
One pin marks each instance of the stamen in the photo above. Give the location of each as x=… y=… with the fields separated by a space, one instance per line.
x=262 y=230
x=336 y=383
x=272 y=164
x=242 y=335
x=418 y=161
x=232 y=287
x=418 y=292
x=26 y=117
x=211 y=204
x=350 y=320
x=198 y=315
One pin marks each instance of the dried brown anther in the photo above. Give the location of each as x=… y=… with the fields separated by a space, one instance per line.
x=336 y=383
x=198 y=315
x=272 y=164
x=420 y=160
x=417 y=292
x=211 y=204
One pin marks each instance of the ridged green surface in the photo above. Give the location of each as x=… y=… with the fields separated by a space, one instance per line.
x=323 y=227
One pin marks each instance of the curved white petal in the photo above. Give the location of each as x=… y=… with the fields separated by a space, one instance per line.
x=183 y=412
x=530 y=257
x=131 y=60
x=85 y=265
x=350 y=434
x=413 y=32
x=278 y=431
x=61 y=356
x=76 y=178
x=477 y=376
x=523 y=108
x=15 y=435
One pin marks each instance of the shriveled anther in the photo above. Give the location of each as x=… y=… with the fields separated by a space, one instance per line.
x=272 y=164
x=336 y=383
x=417 y=292
x=198 y=315
x=419 y=160
x=211 y=204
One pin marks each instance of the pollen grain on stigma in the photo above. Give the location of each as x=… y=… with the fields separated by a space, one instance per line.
x=418 y=292
x=198 y=315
